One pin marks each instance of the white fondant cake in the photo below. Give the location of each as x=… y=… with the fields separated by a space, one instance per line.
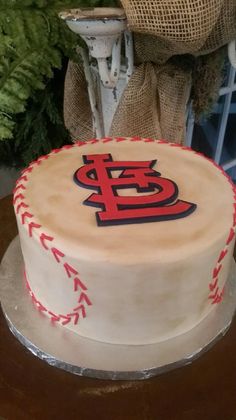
x=125 y=241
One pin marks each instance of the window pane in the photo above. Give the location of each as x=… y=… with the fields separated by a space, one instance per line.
x=229 y=149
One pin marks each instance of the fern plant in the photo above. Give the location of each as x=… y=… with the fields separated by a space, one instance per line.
x=33 y=43
x=40 y=128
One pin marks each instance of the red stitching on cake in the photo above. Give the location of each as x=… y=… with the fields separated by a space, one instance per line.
x=76 y=317
x=17 y=197
x=32 y=226
x=67 y=146
x=27 y=285
x=118 y=139
x=84 y=297
x=70 y=270
x=149 y=140
x=42 y=158
x=36 y=162
x=43 y=238
x=215 y=294
x=234 y=220
x=25 y=215
x=231 y=236
x=226 y=175
x=57 y=254
x=136 y=139
x=41 y=307
x=55 y=151
x=29 y=169
x=67 y=319
x=64 y=319
x=21 y=205
x=216 y=271
x=219 y=297
x=107 y=140
x=22 y=178
x=52 y=313
x=222 y=255
x=164 y=142
x=54 y=317
x=19 y=187
x=82 y=308
x=78 y=284
x=212 y=286
x=33 y=297
x=80 y=143
x=93 y=141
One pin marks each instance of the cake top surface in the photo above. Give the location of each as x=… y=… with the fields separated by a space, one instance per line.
x=126 y=200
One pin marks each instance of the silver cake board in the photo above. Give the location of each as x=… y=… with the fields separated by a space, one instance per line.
x=64 y=349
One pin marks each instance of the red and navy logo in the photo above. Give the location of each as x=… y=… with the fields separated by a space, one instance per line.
x=162 y=203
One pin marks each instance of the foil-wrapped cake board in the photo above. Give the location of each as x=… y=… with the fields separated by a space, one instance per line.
x=64 y=349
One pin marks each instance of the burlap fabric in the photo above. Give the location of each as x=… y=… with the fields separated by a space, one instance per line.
x=183 y=26
x=154 y=102
x=155 y=94
x=171 y=27
x=77 y=112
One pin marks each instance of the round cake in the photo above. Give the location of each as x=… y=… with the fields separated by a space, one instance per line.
x=125 y=240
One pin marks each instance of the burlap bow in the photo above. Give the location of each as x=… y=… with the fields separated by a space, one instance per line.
x=154 y=102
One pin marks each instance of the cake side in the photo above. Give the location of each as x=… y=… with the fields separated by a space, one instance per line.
x=103 y=295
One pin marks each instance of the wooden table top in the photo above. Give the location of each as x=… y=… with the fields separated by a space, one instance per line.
x=31 y=389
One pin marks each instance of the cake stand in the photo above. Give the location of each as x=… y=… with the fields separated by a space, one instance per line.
x=64 y=349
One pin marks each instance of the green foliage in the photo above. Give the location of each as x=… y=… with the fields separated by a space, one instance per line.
x=33 y=43
x=40 y=128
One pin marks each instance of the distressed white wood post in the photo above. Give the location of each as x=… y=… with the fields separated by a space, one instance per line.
x=103 y=30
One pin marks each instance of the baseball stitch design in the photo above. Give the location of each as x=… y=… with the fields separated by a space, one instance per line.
x=26 y=219
x=215 y=294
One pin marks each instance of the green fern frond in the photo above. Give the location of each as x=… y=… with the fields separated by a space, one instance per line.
x=6 y=126
x=22 y=76
x=33 y=41
x=25 y=27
